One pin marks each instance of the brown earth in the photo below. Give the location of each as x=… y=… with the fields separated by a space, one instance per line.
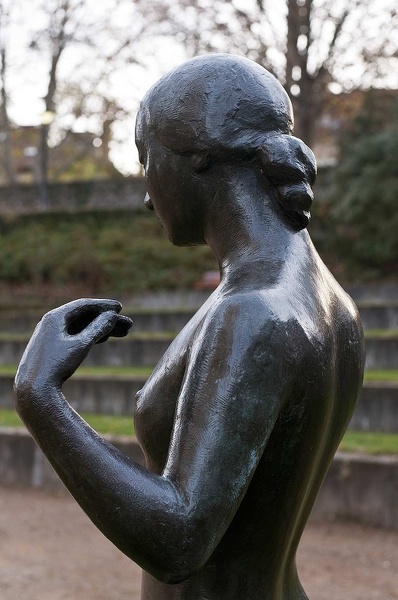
x=49 y=550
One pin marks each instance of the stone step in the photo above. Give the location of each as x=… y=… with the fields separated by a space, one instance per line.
x=168 y=320
x=379 y=316
x=382 y=352
x=377 y=409
x=98 y=394
x=374 y=316
x=147 y=349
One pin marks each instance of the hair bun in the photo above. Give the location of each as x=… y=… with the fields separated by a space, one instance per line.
x=291 y=167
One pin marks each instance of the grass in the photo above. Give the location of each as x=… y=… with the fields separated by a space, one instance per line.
x=115 y=371
x=10 y=370
x=5 y=336
x=385 y=334
x=139 y=335
x=369 y=443
x=104 y=424
x=381 y=375
x=109 y=371
x=159 y=310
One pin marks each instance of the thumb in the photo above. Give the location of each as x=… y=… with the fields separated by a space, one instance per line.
x=99 y=328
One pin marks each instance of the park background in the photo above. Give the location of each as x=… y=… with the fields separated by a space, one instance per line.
x=72 y=223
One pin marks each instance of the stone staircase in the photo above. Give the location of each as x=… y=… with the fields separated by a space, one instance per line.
x=152 y=332
x=357 y=487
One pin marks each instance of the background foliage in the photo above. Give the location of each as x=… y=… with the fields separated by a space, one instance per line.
x=357 y=223
x=104 y=252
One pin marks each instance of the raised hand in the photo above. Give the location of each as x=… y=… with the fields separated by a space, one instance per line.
x=63 y=338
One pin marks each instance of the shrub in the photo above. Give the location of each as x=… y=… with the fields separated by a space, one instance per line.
x=364 y=204
x=122 y=251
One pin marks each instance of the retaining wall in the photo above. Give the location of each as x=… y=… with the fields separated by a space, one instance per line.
x=357 y=488
x=360 y=488
x=22 y=464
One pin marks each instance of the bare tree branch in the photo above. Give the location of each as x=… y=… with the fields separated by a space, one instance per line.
x=5 y=125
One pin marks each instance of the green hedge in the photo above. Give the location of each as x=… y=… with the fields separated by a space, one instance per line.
x=121 y=251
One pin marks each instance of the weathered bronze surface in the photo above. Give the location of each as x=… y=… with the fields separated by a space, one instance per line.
x=241 y=418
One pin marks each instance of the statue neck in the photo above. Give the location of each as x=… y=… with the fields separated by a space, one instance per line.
x=244 y=225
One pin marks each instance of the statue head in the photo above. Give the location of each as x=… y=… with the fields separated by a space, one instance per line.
x=221 y=107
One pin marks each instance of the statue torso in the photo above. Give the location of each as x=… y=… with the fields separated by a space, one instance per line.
x=268 y=524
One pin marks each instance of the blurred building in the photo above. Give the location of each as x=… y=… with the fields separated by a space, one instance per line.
x=79 y=156
x=84 y=156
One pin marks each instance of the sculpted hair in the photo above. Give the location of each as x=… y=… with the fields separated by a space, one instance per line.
x=291 y=167
x=221 y=107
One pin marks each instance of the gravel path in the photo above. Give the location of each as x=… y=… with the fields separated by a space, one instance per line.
x=49 y=550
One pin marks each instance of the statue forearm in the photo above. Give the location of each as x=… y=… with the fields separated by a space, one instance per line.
x=143 y=514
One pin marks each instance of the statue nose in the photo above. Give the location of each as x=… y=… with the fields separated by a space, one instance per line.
x=148 y=202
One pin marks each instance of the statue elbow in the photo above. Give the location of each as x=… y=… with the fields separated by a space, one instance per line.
x=188 y=555
x=181 y=571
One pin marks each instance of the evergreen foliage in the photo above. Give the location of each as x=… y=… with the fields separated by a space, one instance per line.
x=104 y=251
x=360 y=217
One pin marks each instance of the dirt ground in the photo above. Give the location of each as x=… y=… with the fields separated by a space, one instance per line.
x=49 y=550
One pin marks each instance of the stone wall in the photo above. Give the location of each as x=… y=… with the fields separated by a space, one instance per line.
x=101 y=194
x=351 y=490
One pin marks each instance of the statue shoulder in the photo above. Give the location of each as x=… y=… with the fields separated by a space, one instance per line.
x=255 y=314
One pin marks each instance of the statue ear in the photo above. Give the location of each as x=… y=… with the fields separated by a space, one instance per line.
x=200 y=162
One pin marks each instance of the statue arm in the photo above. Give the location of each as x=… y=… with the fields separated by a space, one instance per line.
x=169 y=524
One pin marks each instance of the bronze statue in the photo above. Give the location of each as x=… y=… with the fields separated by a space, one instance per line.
x=241 y=418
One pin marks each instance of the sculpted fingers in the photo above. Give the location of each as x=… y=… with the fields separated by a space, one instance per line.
x=63 y=339
x=73 y=317
x=120 y=329
x=80 y=313
x=99 y=328
x=100 y=304
x=96 y=320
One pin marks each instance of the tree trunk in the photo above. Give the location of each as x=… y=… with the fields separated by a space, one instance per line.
x=300 y=84
x=5 y=122
x=44 y=130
